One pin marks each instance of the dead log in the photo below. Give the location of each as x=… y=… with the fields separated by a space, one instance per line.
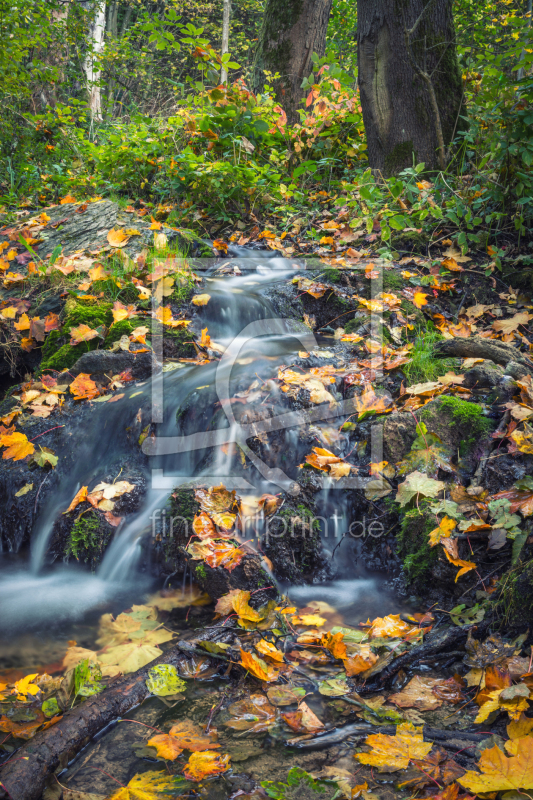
x=478 y=347
x=23 y=777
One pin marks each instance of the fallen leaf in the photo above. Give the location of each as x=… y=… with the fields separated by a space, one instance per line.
x=117 y=238
x=510 y=325
x=446 y=526
x=254 y=714
x=25 y=489
x=201 y=299
x=418 y=693
x=418 y=484
x=395 y=752
x=206 y=764
x=83 y=388
x=257 y=667
x=82 y=333
x=149 y=786
x=451 y=551
x=303 y=721
x=389 y=627
x=498 y=772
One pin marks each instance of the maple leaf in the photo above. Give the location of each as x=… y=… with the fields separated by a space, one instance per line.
x=164 y=315
x=417 y=484
x=149 y=786
x=206 y=764
x=510 y=325
x=371 y=403
x=452 y=554
x=120 y=311
x=83 y=387
x=82 y=333
x=17 y=446
x=257 y=667
x=224 y=554
x=498 y=772
x=303 y=721
x=255 y=713
x=201 y=299
x=68 y=198
x=220 y=245
x=24 y=730
x=389 y=627
x=333 y=642
x=216 y=499
x=419 y=299
x=117 y=238
x=395 y=752
x=446 y=526
x=241 y=606
x=155 y=226
x=364 y=659
x=51 y=322
x=25 y=686
x=185 y=735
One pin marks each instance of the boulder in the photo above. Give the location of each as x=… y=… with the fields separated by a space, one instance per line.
x=101 y=362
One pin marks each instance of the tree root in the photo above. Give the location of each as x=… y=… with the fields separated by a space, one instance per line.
x=24 y=776
x=490 y=349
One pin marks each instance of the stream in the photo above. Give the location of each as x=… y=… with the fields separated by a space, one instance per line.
x=43 y=606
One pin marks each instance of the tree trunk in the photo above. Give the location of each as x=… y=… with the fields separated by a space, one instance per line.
x=291 y=32
x=225 y=38
x=95 y=45
x=409 y=79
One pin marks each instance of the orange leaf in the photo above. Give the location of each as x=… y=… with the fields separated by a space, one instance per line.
x=241 y=606
x=23 y=324
x=82 y=333
x=335 y=644
x=419 y=299
x=270 y=650
x=360 y=662
x=220 y=245
x=452 y=554
x=117 y=238
x=18 y=446
x=167 y=747
x=51 y=322
x=67 y=199
x=190 y=736
x=120 y=311
x=83 y=387
x=79 y=497
x=224 y=554
x=203 y=765
x=155 y=226
x=203 y=526
x=257 y=667
x=303 y=721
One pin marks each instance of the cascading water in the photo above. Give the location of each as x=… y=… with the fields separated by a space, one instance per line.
x=232 y=316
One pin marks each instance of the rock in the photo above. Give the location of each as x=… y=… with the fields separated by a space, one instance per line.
x=516 y=370
x=75 y=230
x=459 y=424
x=102 y=361
x=483 y=376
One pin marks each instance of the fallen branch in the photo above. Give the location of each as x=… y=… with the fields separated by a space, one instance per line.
x=23 y=778
x=459 y=738
x=477 y=347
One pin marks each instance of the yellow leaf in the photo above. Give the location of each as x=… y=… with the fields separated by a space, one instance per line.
x=313 y=620
x=79 y=497
x=257 y=667
x=25 y=687
x=201 y=299
x=203 y=765
x=419 y=299
x=270 y=650
x=82 y=333
x=499 y=773
x=149 y=786
x=395 y=752
x=451 y=552
x=67 y=199
x=388 y=627
x=17 y=446
x=446 y=526
x=117 y=238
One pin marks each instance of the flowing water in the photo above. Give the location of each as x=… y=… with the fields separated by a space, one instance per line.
x=44 y=606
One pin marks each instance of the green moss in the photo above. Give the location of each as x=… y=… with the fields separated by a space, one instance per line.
x=123 y=328
x=464 y=412
x=84 y=537
x=413 y=544
x=58 y=354
x=332 y=275
x=515 y=594
x=392 y=280
x=352 y=324
x=200 y=571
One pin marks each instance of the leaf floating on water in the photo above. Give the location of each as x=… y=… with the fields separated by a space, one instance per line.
x=285 y=695
x=257 y=667
x=303 y=721
x=254 y=714
x=203 y=765
x=163 y=680
x=150 y=786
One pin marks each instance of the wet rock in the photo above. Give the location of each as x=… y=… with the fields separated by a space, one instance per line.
x=516 y=370
x=460 y=425
x=483 y=376
x=102 y=361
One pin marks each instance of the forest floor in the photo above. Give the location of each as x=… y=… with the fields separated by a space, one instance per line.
x=419 y=385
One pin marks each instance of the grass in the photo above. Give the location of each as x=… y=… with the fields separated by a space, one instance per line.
x=424 y=365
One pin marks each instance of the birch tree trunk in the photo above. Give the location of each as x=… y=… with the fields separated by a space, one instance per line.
x=292 y=30
x=225 y=37
x=409 y=80
x=95 y=45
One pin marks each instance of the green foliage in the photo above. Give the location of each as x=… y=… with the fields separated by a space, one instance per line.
x=300 y=786
x=123 y=328
x=424 y=366
x=413 y=543
x=58 y=354
x=87 y=679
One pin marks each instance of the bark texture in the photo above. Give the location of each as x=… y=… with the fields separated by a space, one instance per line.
x=24 y=777
x=292 y=30
x=410 y=84
x=478 y=347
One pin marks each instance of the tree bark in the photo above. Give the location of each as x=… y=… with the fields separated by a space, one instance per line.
x=292 y=30
x=95 y=45
x=225 y=37
x=410 y=83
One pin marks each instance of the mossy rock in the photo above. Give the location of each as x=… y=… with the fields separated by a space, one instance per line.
x=460 y=425
x=119 y=329
x=177 y=343
x=292 y=543
x=57 y=353
x=418 y=557
x=392 y=281
x=515 y=599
